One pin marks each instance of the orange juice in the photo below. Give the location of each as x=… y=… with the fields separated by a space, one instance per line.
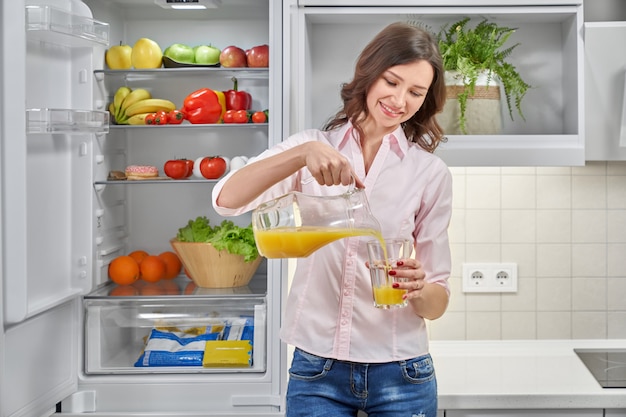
x=388 y=296
x=299 y=242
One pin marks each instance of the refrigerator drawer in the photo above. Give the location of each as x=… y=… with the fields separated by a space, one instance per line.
x=175 y=335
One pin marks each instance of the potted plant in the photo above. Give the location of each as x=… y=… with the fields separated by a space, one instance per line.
x=470 y=55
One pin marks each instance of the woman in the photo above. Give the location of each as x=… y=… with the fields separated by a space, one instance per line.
x=349 y=355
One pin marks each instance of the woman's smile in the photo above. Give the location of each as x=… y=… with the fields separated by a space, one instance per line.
x=390 y=111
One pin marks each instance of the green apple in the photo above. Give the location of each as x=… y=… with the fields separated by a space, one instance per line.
x=207 y=55
x=180 y=53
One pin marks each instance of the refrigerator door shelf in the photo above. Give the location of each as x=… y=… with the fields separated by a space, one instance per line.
x=175 y=335
x=66 y=121
x=48 y=24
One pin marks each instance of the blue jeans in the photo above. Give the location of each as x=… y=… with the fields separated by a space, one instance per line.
x=320 y=387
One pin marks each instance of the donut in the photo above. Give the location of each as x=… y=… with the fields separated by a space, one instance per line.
x=140 y=172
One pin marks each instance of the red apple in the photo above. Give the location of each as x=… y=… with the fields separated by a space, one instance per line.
x=233 y=57
x=258 y=56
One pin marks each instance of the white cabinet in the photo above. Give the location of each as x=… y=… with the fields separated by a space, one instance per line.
x=605 y=91
x=326 y=41
x=524 y=413
x=615 y=413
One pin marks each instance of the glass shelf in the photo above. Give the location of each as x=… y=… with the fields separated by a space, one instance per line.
x=186 y=125
x=159 y=73
x=160 y=180
x=47 y=24
x=180 y=287
x=66 y=121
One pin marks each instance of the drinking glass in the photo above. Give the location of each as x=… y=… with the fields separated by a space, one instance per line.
x=383 y=257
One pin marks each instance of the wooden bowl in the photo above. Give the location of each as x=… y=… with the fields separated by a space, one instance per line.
x=210 y=268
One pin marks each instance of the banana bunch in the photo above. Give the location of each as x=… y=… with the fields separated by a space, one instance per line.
x=128 y=103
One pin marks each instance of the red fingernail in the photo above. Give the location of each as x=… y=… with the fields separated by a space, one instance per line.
x=399 y=263
x=395 y=285
x=392 y=272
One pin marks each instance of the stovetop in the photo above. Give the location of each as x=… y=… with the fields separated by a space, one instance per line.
x=608 y=366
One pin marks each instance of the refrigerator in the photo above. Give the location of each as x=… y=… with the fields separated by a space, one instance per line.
x=70 y=342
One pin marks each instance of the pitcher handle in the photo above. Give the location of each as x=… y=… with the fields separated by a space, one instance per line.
x=352 y=185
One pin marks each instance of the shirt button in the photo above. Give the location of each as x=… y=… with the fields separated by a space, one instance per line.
x=344 y=322
x=346 y=293
x=349 y=262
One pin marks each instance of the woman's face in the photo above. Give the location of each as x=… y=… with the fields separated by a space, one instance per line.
x=399 y=93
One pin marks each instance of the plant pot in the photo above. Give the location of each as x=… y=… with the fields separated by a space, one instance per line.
x=210 y=268
x=483 y=114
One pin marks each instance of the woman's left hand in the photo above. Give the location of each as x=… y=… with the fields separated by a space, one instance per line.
x=411 y=277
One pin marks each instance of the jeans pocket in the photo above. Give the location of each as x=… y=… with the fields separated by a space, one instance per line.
x=308 y=367
x=418 y=370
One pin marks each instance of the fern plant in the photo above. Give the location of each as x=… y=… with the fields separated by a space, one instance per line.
x=481 y=49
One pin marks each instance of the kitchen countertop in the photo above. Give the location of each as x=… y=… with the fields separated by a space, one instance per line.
x=520 y=374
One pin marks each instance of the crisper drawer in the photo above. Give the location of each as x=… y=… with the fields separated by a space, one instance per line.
x=175 y=335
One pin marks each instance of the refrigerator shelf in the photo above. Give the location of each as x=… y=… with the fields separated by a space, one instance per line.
x=186 y=125
x=66 y=121
x=180 y=288
x=158 y=73
x=157 y=181
x=51 y=25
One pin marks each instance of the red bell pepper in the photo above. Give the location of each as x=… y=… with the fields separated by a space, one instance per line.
x=237 y=100
x=202 y=107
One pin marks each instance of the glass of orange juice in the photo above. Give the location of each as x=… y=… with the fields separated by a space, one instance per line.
x=383 y=257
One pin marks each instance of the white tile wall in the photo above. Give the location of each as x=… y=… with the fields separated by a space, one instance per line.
x=565 y=228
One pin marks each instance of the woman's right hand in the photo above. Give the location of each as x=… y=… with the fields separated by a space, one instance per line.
x=328 y=166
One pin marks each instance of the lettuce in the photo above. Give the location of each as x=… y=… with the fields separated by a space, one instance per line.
x=227 y=236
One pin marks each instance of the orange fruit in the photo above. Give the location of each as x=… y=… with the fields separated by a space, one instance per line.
x=152 y=268
x=173 y=264
x=138 y=255
x=123 y=270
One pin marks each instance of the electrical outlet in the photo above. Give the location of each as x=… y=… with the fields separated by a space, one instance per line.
x=489 y=277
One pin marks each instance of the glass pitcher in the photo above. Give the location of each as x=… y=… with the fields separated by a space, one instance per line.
x=296 y=224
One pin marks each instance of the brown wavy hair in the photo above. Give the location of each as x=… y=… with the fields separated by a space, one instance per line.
x=397 y=44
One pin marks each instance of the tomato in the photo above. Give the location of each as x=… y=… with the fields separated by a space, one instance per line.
x=178 y=168
x=229 y=116
x=175 y=117
x=160 y=118
x=150 y=119
x=259 y=117
x=240 y=116
x=189 y=163
x=212 y=167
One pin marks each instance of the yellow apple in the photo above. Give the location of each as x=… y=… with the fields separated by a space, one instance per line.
x=118 y=57
x=146 y=54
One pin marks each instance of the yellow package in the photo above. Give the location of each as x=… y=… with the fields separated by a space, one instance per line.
x=227 y=353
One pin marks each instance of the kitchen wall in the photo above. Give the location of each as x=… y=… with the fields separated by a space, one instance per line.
x=565 y=227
